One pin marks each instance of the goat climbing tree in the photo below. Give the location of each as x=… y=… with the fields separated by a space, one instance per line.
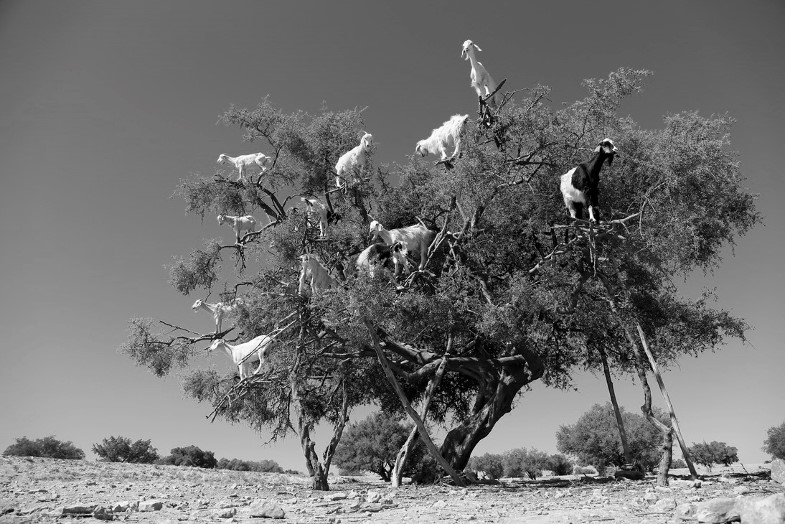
x=513 y=289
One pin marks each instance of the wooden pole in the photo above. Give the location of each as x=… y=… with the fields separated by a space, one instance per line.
x=432 y=449
x=674 y=421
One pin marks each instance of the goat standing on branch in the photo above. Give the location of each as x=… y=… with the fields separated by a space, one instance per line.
x=353 y=162
x=414 y=239
x=243 y=162
x=314 y=207
x=239 y=224
x=319 y=275
x=580 y=185
x=219 y=310
x=243 y=354
x=482 y=82
x=448 y=135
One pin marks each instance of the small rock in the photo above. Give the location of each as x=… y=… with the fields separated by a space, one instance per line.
x=373 y=496
x=150 y=505
x=119 y=507
x=663 y=505
x=768 y=510
x=715 y=511
x=225 y=513
x=439 y=504
x=103 y=513
x=338 y=495
x=79 y=509
x=651 y=497
x=778 y=471
x=741 y=490
x=262 y=508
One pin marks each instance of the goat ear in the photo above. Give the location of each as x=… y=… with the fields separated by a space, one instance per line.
x=597 y=149
x=477 y=47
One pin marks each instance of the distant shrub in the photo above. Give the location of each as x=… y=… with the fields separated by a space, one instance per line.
x=678 y=464
x=491 y=464
x=372 y=445
x=523 y=462
x=43 y=447
x=713 y=453
x=190 y=456
x=584 y=470
x=263 y=466
x=594 y=438
x=425 y=470
x=121 y=449
x=559 y=464
x=774 y=445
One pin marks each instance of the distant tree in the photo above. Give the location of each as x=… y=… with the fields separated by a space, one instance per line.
x=121 y=449
x=524 y=462
x=775 y=443
x=594 y=438
x=190 y=456
x=559 y=464
x=678 y=464
x=263 y=466
x=714 y=453
x=43 y=447
x=372 y=445
x=491 y=464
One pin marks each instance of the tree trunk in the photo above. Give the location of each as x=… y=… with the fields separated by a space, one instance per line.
x=674 y=421
x=408 y=446
x=317 y=469
x=493 y=401
x=619 y=421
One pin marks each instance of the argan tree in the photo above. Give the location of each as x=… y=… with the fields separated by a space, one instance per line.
x=512 y=290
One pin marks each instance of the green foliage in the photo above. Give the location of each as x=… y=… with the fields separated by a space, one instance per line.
x=43 y=447
x=372 y=445
x=713 y=453
x=263 y=466
x=121 y=449
x=775 y=442
x=190 y=456
x=594 y=438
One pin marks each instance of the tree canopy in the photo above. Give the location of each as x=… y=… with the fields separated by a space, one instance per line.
x=512 y=291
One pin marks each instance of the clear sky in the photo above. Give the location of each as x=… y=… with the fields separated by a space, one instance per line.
x=104 y=105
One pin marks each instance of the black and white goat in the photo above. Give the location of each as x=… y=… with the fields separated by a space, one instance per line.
x=580 y=185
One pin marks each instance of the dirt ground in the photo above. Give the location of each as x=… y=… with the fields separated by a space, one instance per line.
x=39 y=490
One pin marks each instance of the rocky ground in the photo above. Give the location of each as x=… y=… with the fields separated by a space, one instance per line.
x=49 y=490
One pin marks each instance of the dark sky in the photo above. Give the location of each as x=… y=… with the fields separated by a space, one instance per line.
x=105 y=105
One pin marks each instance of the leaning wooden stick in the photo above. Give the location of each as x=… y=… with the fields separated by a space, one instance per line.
x=432 y=449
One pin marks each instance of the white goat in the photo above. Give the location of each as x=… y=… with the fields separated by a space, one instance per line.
x=242 y=354
x=315 y=207
x=242 y=162
x=353 y=161
x=239 y=224
x=446 y=136
x=380 y=254
x=319 y=276
x=219 y=310
x=414 y=239
x=482 y=82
